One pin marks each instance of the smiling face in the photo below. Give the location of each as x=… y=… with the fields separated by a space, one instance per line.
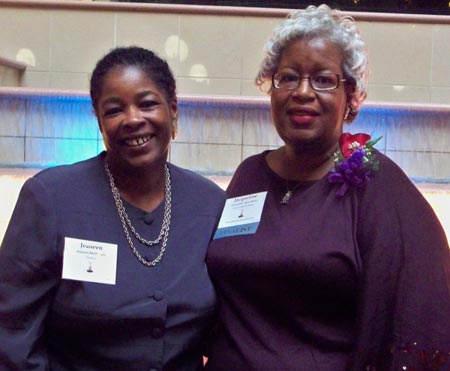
x=135 y=119
x=305 y=119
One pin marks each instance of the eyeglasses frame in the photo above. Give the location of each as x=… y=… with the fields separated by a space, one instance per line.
x=301 y=78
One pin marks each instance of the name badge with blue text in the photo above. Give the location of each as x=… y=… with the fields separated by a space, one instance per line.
x=89 y=261
x=241 y=215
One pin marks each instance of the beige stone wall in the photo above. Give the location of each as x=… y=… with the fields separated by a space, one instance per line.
x=214 y=53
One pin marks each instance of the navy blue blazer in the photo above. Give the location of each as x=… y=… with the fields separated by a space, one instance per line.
x=150 y=319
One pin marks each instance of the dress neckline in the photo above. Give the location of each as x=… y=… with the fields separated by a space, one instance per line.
x=275 y=178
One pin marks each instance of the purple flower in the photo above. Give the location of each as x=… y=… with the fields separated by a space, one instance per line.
x=355 y=169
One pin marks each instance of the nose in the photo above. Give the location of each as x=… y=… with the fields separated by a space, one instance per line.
x=304 y=87
x=133 y=115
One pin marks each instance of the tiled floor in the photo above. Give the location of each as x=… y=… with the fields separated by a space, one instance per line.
x=11 y=180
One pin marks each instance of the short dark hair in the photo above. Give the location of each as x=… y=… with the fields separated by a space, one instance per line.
x=155 y=67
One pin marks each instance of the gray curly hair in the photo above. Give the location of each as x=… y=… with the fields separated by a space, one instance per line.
x=321 y=22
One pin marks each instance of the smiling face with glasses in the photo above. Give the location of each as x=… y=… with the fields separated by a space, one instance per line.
x=309 y=95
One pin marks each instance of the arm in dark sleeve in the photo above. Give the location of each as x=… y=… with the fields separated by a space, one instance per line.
x=29 y=273
x=404 y=306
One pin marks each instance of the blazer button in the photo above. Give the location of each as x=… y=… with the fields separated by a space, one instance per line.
x=158 y=295
x=148 y=218
x=157 y=332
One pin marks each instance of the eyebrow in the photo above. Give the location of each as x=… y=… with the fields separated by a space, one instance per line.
x=146 y=92
x=112 y=100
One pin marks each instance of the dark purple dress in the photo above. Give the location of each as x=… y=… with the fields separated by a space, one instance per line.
x=328 y=283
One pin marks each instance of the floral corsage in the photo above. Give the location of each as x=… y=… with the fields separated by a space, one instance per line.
x=354 y=162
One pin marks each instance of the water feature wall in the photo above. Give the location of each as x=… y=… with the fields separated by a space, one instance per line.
x=41 y=128
x=48 y=49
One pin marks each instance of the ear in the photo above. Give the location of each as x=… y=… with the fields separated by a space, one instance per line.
x=350 y=95
x=97 y=116
x=350 y=92
x=100 y=126
x=174 y=123
x=347 y=112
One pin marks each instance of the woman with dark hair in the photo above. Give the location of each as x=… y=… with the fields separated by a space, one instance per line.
x=103 y=262
x=348 y=267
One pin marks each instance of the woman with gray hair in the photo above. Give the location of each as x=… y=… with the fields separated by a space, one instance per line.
x=345 y=266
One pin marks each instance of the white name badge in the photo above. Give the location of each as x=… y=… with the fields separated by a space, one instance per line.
x=241 y=215
x=89 y=261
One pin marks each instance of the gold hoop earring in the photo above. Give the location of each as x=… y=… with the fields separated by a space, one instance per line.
x=174 y=128
x=347 y=112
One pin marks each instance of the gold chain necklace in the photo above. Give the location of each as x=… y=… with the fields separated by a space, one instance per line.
x=126 y=222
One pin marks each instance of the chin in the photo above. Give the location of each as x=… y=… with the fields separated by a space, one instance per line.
x=150 y=160
x=311 y=144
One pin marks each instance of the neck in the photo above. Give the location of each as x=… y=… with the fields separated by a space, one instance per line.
x=141 y=188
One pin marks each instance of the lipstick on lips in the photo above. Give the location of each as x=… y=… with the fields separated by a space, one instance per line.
x=302 y=116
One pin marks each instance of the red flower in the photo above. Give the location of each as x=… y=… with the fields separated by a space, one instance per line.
x=348 y=143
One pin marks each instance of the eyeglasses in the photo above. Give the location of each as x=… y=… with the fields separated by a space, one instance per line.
x=319 y=82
